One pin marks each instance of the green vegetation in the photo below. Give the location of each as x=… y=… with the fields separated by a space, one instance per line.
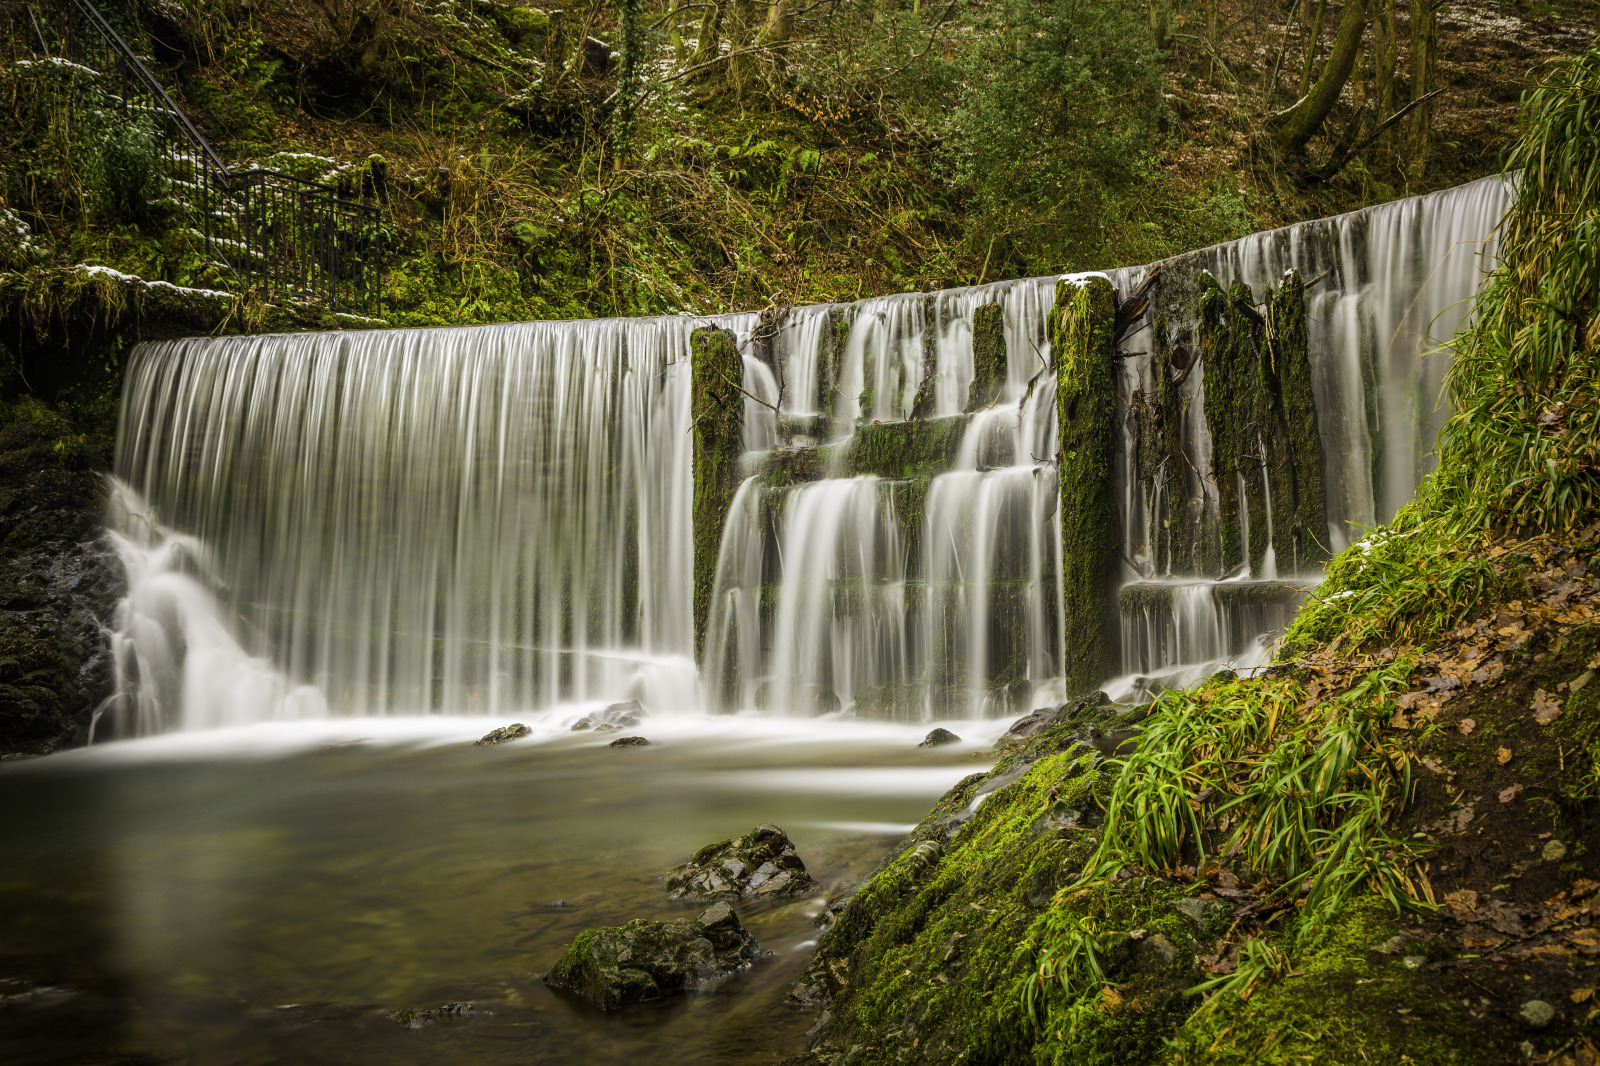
x=1377 y=850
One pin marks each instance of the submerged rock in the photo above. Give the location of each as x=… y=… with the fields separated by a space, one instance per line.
x=421 y=1018
x=939 y=738
x=760 y=864
x=514 y=731
x=629 y=742
x=642 y=961
x=811 y=700
x=624 y=715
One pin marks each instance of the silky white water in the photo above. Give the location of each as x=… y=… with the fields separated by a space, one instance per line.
x=496 y=520
x=464 y=521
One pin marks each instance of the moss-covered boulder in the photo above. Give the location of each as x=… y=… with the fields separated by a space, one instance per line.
x=642 y=961
x=760 y=864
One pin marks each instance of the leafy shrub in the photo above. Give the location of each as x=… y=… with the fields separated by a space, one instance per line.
x=126 y=176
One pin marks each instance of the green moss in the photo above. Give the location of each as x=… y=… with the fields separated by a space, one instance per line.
x=1081 y=327
x=901 y=450
x=988 y=356
x=1148 y=599
x=1290 y=357
x=715 y=371
x=792 y=466
x=1344 y=1006
x=931 y=959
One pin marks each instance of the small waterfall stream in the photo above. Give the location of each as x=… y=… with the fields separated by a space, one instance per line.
x=498 y=519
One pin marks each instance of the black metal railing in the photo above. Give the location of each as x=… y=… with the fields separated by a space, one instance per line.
x=289 y=236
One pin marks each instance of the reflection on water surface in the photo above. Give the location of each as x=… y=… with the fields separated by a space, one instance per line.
x=265 y=895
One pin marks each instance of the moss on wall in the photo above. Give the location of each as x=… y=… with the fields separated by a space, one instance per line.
x=901 y=450
x=715 y=370
x=1290 y=355
x=1081 y=328
x=988 y=356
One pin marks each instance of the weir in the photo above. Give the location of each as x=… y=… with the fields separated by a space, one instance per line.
x=888 y=521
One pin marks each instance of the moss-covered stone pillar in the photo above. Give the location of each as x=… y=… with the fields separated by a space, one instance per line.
x=1081 y=339
x=1232 y=406
x=715 y=372
x=1175 y=535
x=1291 y=359
x=988 y=356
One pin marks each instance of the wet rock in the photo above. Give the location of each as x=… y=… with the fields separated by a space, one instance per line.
x=1154 y=953
x=1028 y=726
x=939 y=738
x=760 y=864
x=421 y=1018
x=1200 y=912
x=629 y=742
x=618 y=716
x=642 y=961
x=60 y=581
x=1113 y=743
x=514 y=731
x=1536 y=1014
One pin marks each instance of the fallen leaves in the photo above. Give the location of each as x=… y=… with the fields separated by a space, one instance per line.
x=1546 y=708
x=1582 y=995
x=1460 y=818
x=1502 y=756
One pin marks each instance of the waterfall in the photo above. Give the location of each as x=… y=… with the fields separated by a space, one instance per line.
x=472 y=520
x=979 y=568
x=500 y=519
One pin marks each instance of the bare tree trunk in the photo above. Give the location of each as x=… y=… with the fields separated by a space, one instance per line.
x=1161 y=23
x=779 y=27
x=679 y=48
x=1311 y=49
x=1424 y=60
x=741 y=34
x=555 y=49
x=706 y=48
x=1299 y=123
x=1385 y=54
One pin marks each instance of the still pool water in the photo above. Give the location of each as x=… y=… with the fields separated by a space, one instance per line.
x=265 y=895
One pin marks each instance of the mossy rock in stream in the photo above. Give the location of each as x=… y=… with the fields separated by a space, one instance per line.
x=642 y=961
x=760 y=864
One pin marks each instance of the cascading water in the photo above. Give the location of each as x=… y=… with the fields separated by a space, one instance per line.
x=1386 y=286
x=498 y=519
x=466 y=521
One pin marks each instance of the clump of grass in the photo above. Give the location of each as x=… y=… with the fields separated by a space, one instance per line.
x=1298 y=791
x=1260 y=961
x=1523 y=449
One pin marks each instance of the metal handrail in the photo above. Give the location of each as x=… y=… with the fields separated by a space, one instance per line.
x=290 y=234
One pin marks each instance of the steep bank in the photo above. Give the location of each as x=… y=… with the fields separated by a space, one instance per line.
x=59 y=583
x=1379 y=849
